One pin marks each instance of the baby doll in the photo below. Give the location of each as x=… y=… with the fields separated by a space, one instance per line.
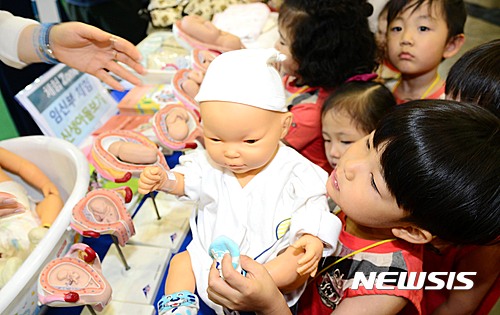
x=249 y=186
x=23 y=222
x=205 y=31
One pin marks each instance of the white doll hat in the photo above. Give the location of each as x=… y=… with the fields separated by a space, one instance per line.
x=245 y=76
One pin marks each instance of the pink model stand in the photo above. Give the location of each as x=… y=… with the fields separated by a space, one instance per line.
x=103 y=211
x=161 y=131
x=110 y=167
x=75 y=279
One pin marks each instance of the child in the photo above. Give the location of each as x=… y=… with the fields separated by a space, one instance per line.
x=397 y=182
x=325 y=42
x=473 y=78
x=249 y=186
x=350 y=113
x=421 y=34
x=386 y=71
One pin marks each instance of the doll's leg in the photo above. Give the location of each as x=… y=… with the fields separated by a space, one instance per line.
x=180 y=274
x=179 y=287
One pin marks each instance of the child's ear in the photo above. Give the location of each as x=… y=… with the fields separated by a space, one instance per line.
x=453 y=46
x=412 y=234
x=286 y=122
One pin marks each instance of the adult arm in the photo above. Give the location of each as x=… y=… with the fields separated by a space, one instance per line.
x=80 y=46
x=371 y=305
x=483 y=260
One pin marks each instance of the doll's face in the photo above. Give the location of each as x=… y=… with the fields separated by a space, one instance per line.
x=241 y=138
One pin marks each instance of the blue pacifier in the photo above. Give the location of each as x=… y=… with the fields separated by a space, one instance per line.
x=224 y=245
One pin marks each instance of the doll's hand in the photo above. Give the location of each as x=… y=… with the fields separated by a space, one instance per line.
x=151 y=179
x=49 y=208
x=9 y=205
x=313 y=247
x=49 y=189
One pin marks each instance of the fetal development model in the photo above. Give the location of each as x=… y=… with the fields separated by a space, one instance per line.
x=250 y=187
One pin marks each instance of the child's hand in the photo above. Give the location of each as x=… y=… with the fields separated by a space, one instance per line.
x=313 y=247
x=151 y=179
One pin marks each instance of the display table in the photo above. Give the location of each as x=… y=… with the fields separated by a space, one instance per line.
x=137 y=290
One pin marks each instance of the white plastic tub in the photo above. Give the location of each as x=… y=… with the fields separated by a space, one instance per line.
x=68 y=168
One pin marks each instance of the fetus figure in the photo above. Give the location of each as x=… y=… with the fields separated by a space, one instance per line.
x=132 y=152
x=206 y=32
x=192 y=83
x=177 y=123
x=103 y=210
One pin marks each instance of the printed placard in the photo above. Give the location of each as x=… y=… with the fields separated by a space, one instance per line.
x=67 y=103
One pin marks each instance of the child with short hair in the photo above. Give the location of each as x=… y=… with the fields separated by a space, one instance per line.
x=422 y=33
x=249 y=186
x=325 y=42
x=350 y=113
x=399 y=182
x=474 y=78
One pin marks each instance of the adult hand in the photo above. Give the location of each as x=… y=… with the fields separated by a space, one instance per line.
x=254 y=292
x=9 y=205
x=90 y=49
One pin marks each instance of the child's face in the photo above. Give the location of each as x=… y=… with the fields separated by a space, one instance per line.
x=240 y=138
x=358 y=187
x=417 y=40
x=289 y=66
x=339 y=132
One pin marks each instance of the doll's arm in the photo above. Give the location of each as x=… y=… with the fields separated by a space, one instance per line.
x=283 y=269
x=46 y=209
x=155 y=178
x=51 y=205
x=28 y=171
x=467 y=301
x=313 y=248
